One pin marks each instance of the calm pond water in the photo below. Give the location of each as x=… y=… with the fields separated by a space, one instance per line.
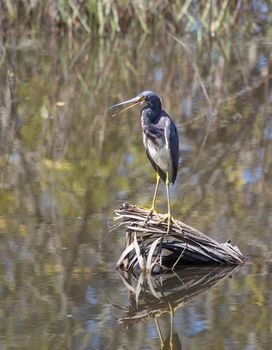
x=66 y=165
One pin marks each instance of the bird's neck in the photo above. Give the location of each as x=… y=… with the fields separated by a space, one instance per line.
x=153 y=114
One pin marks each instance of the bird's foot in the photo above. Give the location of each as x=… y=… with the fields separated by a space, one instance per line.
x=170 y=220
x=150 y=213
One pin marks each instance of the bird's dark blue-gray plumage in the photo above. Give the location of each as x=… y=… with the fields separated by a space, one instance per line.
x=160 y=137
x=161 y=142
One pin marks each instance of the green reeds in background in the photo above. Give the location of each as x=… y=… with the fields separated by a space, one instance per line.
x=112 y=16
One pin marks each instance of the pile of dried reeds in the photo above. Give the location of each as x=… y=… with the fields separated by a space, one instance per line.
x=149 y=248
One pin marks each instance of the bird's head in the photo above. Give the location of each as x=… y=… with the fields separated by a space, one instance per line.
x=146 y=99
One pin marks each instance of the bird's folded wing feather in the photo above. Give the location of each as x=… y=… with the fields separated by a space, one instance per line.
x=172 y=143
x=156 y=135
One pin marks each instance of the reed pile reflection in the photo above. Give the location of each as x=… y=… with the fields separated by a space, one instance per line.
x=150 y=296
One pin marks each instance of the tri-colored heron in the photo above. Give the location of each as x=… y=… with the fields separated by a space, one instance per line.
x=161 y=141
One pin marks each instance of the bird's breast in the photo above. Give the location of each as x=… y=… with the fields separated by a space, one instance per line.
x=160 y=154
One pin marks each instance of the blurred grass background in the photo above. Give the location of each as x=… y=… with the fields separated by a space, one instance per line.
x=109 y=17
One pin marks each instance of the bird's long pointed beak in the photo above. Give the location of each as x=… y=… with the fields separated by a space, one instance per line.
x=135 y=101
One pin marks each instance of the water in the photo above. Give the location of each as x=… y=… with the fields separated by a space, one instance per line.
x=66 y=165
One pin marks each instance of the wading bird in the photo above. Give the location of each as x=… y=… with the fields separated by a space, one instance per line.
x=160 y=137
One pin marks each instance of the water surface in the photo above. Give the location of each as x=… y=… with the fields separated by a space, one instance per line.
x=66 y=165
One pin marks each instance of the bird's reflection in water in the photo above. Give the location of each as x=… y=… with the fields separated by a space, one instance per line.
x=172 y=340
x=150 y=296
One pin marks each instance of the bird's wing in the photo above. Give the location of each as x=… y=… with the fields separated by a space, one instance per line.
x=156 y=136
x=172 y=140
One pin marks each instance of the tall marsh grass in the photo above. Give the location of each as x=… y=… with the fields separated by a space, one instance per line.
x=112 y=16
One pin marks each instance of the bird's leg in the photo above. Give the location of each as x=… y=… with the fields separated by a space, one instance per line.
x=155 y=193
x=152 y=209
x=168 y=216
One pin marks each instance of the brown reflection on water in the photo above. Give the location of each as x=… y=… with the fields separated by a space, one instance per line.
x=150 y=297
x=66 y=164
x=153 y=295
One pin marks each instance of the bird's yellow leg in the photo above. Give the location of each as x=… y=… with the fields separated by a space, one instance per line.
x=169 y=218
x=152 y=209
x=155 y=193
